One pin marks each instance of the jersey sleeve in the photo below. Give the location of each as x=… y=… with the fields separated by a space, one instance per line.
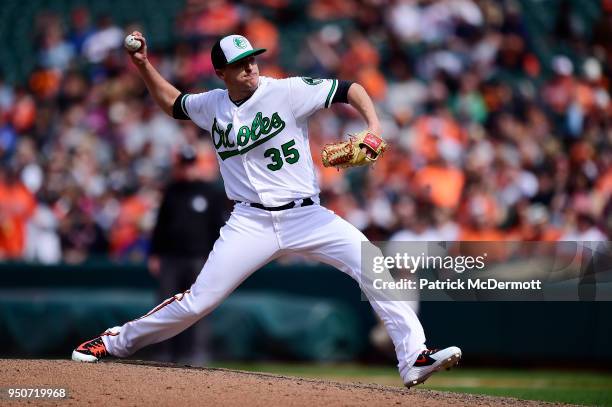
x=308 y=95
x=199 y=107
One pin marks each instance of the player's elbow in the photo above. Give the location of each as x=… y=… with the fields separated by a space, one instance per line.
x=356 y=90
x=356 y=86
x=169 y=101
x=167 y=109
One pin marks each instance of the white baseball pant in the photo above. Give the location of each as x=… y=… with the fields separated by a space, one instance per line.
x=251 y=238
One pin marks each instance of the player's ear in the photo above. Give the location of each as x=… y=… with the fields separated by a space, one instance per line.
x=220 y=73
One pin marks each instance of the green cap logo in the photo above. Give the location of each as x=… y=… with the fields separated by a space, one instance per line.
x=240 y=42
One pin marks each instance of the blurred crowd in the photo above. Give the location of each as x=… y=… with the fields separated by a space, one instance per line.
x=489 y=139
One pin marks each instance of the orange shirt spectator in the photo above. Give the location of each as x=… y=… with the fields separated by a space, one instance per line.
x=360 y=60
x=207 y=163
x=17 y=205
x=488 y=240
x=45 y=83
x=442 y=184
x=394 y=169
x=263 y=33
x=373 y=82
x=331 y=9
x=24 y=113
x=430 y=130
x=220 y=18
x=604 y=183
x=480 y=235
x=126 y=229
x=585 y=96
x=479 y=205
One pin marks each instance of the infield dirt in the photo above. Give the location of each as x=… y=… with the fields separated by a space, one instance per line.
x=132 y=383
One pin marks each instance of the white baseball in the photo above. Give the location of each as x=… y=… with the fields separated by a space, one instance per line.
x=131 y=43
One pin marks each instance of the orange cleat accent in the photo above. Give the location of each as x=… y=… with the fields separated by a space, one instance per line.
x=90 y=351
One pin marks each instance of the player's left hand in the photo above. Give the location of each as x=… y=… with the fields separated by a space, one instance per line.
x=361 y=149
x=369 y=153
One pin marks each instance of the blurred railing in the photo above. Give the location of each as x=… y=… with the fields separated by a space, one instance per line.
x=70 y=303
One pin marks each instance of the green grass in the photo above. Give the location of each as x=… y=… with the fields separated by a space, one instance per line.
x=574 y=387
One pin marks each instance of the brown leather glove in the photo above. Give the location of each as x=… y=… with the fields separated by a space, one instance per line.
x=345 y=154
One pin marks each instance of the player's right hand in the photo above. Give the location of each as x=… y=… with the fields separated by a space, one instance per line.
x=139 y=57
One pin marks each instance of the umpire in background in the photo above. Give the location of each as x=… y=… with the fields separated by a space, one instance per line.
x=188 y=223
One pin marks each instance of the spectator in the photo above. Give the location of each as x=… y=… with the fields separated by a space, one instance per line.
x=8 y=139
x=7 y=96
x=56 y=52
x=106 y=38
x=43 y=242
x=263 y=33
x=584 y=230
x=440 y=184
x=81 y=28
x=17 y=205
x=415 y=223
x=502 y=139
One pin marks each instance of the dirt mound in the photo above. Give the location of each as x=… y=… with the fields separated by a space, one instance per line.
x=130 y=383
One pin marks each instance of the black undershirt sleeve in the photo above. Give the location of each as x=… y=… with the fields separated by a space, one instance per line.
x=178 y=112
x=341 y=95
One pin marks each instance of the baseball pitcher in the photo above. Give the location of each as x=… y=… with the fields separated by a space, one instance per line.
x=259 y=128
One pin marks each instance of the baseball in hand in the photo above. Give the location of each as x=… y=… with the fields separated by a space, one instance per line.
x=131 y=43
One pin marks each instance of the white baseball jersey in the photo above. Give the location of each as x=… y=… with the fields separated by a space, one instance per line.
x=262 y=145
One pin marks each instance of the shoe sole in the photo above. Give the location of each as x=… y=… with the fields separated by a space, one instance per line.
x=80 y=357
x=446 y=364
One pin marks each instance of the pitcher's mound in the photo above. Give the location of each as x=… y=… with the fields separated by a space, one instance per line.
x=132 y=383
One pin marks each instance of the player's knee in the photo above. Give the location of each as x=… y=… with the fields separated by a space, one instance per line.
x=204 y=304
x=362 y=267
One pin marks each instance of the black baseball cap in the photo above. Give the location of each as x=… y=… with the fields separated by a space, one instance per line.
x=230 y=49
